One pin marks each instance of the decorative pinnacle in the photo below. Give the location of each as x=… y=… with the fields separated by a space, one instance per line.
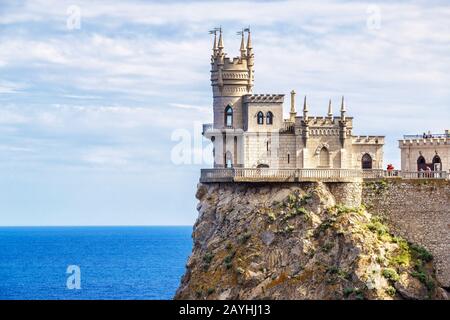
x=249 y=39
x=292 y=101
x=330 y=109
x=220 y=39
x=243 y=50
x=343 y=105
x=214 y=32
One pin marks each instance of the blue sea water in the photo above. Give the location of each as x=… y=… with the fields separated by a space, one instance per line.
x=114 y=262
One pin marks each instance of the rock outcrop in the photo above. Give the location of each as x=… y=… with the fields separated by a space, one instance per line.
x=299 y=241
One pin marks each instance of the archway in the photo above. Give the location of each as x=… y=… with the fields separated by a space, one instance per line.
x=228 y=160
x=262 y=165
x=437 y=164
x=324 y=158
x=421 y=164
x=366 y=161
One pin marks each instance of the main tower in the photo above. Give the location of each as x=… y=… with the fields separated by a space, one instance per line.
x=231 y=79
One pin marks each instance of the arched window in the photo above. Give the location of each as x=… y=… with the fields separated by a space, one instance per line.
x=260 y=117
x=366 y=161
x=228 y=160
x=421 y=164
x=437 y=164
x=324 y=157
x=228 y=116
x=262 y=165
x=269 y=118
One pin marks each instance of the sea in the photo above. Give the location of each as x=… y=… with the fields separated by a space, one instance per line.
x=113 y=263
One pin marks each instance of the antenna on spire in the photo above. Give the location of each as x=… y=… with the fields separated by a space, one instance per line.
x=214 y=32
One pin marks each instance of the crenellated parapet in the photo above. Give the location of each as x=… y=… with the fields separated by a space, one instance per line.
x=264 y=98
x=438 y=141
x=376 y=140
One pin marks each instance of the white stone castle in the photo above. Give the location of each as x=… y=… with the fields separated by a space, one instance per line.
x=249 y=130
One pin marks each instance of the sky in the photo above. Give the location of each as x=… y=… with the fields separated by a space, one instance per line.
x=96 y=95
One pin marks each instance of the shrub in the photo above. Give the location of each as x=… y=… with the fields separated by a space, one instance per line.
x=327 y=246
x=244 y=238
x=421 y=253
x=302 y=211
x=207 y=258
x=391 y=291
x=348 y=291
x=390 y=274
x=228 y=261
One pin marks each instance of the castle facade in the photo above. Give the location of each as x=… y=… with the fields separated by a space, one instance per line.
x=249 y=130
x=426 y=152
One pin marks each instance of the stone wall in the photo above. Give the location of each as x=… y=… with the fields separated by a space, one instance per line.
x=418 y=211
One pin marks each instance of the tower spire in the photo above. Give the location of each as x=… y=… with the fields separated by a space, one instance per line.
x=249 y=39
x=214 y=48
x=220 y=40
x=242 y=49
x=330 y=109
x=343 y=109
x=292 y=113
x=305 y=110
x=215 y=43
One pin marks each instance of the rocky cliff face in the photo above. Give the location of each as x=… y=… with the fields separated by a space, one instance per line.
x=296 y=241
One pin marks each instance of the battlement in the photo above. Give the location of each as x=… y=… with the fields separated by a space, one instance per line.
x=264 y=98
x=235 y=63
x=368 y=139
x=424 y=141
x=320 y=121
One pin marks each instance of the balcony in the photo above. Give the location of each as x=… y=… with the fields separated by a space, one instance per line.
x=312 y=175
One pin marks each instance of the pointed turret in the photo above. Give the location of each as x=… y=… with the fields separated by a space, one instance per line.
x=330 y=109
x=343 y=109
x=215 y=44
x=305 y=110
x=250 y=60
x=243 y=50
x=292 y=113
x=220 y=40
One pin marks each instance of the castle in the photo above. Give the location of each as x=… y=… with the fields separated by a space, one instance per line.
x=249 y=130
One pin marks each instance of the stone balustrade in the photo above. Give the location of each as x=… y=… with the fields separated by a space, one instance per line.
x=311 y=175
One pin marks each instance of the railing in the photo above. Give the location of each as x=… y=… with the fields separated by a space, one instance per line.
x=265 y=174
x=309 y=175
x=217 y=175
x=424 y=175
x=426 y=136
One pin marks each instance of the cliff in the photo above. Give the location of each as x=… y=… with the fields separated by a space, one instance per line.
x=300 y=241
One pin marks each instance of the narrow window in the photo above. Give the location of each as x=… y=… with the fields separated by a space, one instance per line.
x=269 y=118
x=289 y=158
x=228 y=116
x=260 y=117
